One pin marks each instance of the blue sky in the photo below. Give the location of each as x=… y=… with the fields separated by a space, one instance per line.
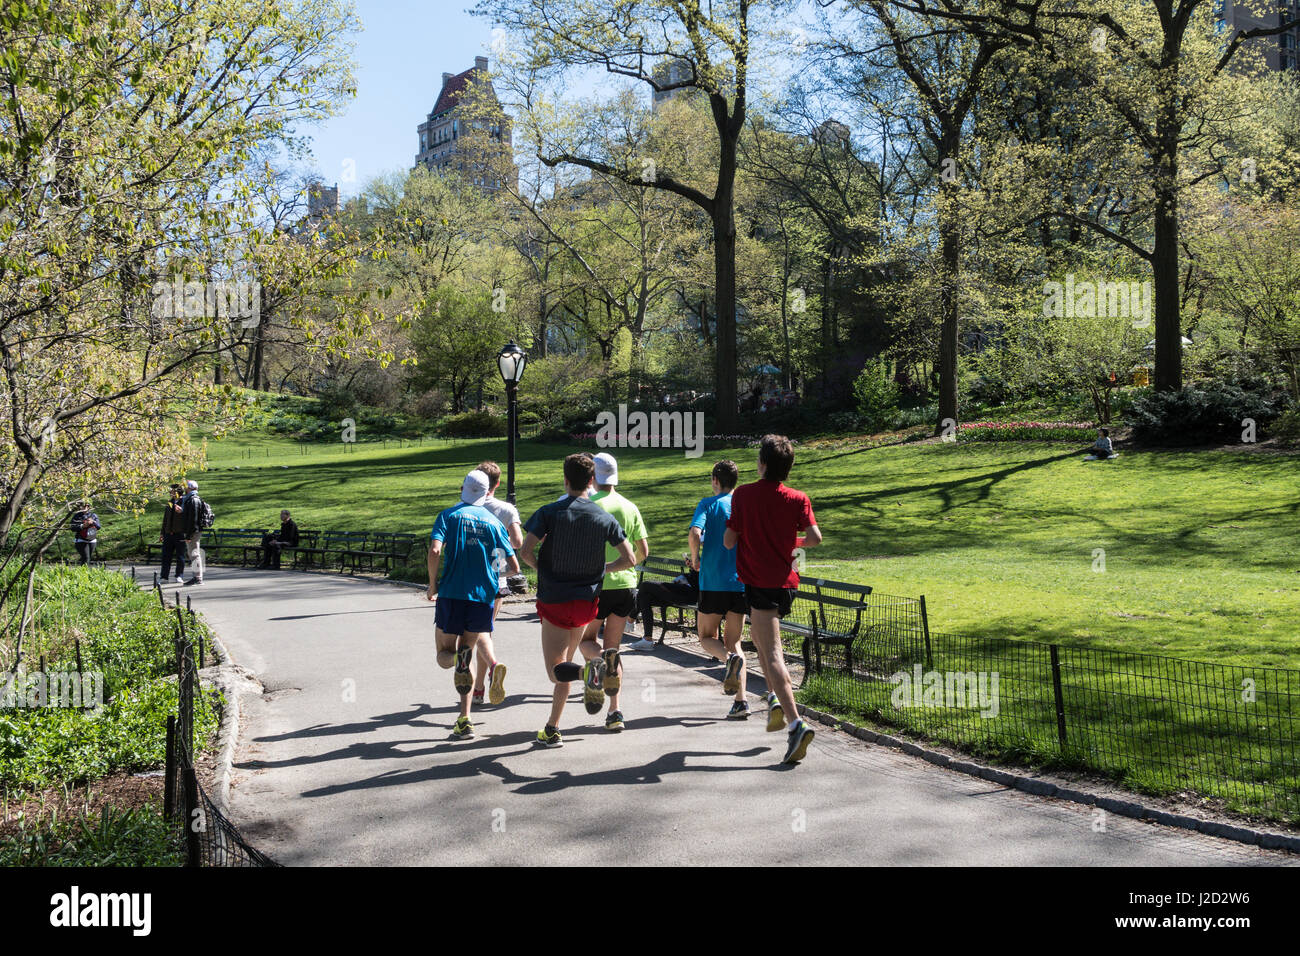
x=401 y=56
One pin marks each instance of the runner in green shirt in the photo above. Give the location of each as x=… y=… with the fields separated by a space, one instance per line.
x=617 y=590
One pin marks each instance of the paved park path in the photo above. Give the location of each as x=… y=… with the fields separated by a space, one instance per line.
x=346 y=759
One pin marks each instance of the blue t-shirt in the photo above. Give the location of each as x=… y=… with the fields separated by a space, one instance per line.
x=475 y=550
x=717 y=562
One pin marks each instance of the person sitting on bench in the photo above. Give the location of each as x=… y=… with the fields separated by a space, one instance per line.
x=286 y=537
x=683 y=589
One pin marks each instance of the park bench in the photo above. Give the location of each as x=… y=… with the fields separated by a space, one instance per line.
x=828 y=613
x=332 y=548
x=306 y=539
x=384 y=549
x=220 y=546
x=663 y=570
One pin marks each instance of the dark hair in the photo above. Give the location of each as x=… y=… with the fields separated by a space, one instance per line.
x=579 y=470
x=1106 y=432
x=777 y=455
x=726 y=473
x=493 y=472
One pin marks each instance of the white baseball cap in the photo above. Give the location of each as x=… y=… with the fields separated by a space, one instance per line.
x=606 y=469
x=475 y=489
x=192 y=485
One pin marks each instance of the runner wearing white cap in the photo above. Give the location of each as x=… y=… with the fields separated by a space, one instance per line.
x=617 y=590
x=489 y=672
x=473 y=546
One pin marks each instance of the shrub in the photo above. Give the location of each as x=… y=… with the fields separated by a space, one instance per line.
x=1287 y=428
x=877 y=396
x=1199 y=414
x=472 y=425
x=1025 y=431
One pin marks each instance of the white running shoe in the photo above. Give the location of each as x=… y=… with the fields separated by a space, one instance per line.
x=641 y=645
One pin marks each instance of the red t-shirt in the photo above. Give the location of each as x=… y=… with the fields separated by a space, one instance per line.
x=768 y=516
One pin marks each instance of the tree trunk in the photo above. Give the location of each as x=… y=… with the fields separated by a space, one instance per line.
x=1164 y=267
x=724 y=259
x=951 y=253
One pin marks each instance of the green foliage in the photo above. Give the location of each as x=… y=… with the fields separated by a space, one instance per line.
x=125 y=636
x=472 y=425
x=1199 y=414
x=1025 y=431
x=134 y=837
x=877 y=396
x=1287 y=428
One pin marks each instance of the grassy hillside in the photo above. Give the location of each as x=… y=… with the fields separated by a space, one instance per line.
x=1199 y=547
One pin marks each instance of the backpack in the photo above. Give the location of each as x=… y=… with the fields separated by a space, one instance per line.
x=206 y=517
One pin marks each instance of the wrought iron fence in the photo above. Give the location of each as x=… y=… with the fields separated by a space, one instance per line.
x=1157 y=724
x=209 y=837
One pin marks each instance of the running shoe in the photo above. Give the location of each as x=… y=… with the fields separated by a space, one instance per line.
x=642 y=645
x=775 y=714
x=801 y=735
x=463 y=728
x=613 y=679
x=497 y=683
x=463 y=679
x=731 y=680
x=739 y=710
x=478 y=698
x=614 y=721
x=549 y=736
x=593 y=693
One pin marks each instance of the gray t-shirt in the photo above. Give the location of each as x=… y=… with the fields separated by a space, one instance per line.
x=571 y=562
x=507 y=514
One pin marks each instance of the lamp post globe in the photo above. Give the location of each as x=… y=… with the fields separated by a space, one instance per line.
x=510 y=363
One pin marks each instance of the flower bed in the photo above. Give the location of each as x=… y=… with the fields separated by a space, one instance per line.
x=1026 y=431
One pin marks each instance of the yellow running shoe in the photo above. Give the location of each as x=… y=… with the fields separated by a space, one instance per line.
x=497 y=683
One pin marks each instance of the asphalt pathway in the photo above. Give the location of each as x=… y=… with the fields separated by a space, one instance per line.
x=347 y=759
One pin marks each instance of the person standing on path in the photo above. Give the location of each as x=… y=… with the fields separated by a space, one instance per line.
x=617 y=601
x=572 y=534
x=487 y=669
x=192 y=528
x=472 y=545
x=722 y=595
x=766 y=521
x=173 y=536
x=85 y=531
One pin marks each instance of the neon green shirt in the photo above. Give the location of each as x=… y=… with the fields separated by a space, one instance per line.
x=628 y=516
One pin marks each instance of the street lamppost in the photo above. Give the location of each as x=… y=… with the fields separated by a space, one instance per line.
x=511 y=363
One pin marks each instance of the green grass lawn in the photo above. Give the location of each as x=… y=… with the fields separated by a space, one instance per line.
x=1005 y=541
x=1200 y=547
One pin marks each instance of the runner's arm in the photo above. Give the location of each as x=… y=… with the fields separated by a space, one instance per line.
x=694 y=540
x=528 y=551
x=729 y=539
x=435 y=560
x=626 y=558
x=642 y=550
x=811 y=538
x=516 y=535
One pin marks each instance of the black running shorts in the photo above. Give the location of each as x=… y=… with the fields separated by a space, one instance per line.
x=770 y=599
x=722 y=602
x=620 y=602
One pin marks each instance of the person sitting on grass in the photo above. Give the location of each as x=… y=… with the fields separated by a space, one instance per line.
x=1102 y=447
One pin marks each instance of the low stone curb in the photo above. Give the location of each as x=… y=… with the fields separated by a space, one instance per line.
x=1044 y=788
x=234 y=681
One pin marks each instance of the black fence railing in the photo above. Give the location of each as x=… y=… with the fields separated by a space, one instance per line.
x=209 y=838
x=1157 y=724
